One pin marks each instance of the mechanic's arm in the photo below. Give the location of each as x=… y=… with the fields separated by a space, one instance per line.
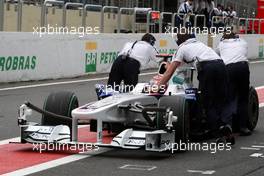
x=169 y=72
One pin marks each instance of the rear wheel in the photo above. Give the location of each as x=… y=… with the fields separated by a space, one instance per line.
x=61 y=103
x=253 y=109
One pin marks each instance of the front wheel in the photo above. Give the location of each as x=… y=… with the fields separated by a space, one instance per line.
x=180 y=108
x=61 y=103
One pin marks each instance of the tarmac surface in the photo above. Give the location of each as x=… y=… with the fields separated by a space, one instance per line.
x=245 y=158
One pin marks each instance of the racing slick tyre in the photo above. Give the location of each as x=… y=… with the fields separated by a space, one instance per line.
x=253 y=109
x=180 y=108
x=61 y=103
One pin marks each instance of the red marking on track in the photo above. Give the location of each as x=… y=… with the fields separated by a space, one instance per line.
x=261 y=95
x=18 y=156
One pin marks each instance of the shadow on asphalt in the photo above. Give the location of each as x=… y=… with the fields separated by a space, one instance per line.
x=138 y=154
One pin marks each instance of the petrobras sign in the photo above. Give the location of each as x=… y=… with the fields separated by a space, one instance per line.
x=26 y=57
x=14 y=63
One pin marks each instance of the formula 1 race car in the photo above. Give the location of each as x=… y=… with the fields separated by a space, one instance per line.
x=141 y=118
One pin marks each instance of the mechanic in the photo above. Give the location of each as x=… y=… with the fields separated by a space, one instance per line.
x=127 y=65
x=212 y=78
x=233 y=51
x=187 y=9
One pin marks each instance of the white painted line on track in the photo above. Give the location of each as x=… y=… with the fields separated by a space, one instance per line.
x=249 y=148
x=65 y=82
x=257 y=155
x=7 y=141
x=208 y=172
x=53 y=163
x=138 y=167
x=258 y=146
x=258 y=88
x=80 y=81
x=76 y=157
x=256 y=62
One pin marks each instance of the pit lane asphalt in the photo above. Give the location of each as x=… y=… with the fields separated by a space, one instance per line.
x=234 y=162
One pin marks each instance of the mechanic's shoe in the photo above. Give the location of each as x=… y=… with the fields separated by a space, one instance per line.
x=245 y=132
x=220 y=141
x=231 y=140
x=224 y=140
x=226 y=135
x=225 y=130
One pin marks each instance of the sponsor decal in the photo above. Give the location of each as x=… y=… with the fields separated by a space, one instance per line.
x=163 y=43
x=90 y=57
x=108 y=57
x=90 y=62
x=93 y=59
x=14 y=63
x=167 y=51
